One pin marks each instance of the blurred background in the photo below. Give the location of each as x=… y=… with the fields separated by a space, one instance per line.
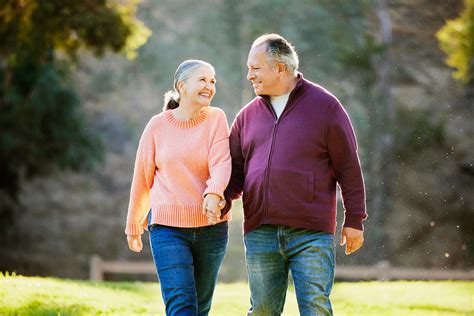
x=80 y=79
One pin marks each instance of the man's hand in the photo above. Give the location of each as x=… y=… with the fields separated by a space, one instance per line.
x=352 y=238
x=135 y=242
x=222 y=204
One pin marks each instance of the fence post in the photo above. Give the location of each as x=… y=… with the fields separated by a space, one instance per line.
x=95 y=269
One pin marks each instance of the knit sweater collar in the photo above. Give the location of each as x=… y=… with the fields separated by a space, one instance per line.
x=188 y=123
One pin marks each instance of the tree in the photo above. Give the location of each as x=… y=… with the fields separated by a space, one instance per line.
x=41 y=126
x=383 y=139
x=456 y=39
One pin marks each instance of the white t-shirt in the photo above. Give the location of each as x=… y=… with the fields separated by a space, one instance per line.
x=279 y=103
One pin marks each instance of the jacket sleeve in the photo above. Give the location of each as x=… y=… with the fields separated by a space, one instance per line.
x=342 y=147
x=236 y=184
x=142 y=182
x=219 y=160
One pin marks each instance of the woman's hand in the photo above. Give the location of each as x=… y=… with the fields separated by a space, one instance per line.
x=135 y=242
x=212 y=208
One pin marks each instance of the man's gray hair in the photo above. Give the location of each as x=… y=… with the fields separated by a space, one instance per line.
x=279 y=50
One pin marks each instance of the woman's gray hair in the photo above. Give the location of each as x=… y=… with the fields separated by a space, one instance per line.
x=184 y=71
x=279 y=50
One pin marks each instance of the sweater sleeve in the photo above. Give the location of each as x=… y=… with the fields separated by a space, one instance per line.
x=342 y=147
x=142 y=182
x=219 y=160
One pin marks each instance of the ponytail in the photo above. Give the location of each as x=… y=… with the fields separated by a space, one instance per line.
x=171 y=100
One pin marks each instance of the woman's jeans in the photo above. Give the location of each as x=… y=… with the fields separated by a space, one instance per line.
x=187 y=261
x=273 y=250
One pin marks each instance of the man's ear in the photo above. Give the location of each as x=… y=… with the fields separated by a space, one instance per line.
x=281 y=67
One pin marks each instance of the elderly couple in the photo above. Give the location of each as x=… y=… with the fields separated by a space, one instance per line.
x=286 y=151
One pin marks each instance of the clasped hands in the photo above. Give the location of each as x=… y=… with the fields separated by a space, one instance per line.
x=212 y=206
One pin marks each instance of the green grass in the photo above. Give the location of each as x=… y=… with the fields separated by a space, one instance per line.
x=50 y=296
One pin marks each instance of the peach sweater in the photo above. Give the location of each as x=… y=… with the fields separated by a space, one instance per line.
x=177 y=163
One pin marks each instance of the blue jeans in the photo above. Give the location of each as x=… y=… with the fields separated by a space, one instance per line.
x=187 y=262
x=272 y=251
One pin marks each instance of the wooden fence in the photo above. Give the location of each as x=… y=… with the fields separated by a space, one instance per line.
x=381 y=273
x=99 y=267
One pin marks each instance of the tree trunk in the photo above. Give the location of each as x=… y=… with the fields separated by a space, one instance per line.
x=383 y=117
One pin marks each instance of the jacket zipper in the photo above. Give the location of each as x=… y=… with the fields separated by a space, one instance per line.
x=267 y=171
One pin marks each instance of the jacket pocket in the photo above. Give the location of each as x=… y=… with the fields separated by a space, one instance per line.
x=291 y=187
x=291 y=194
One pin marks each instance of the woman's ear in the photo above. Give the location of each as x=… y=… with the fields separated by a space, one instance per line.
x=181 y=87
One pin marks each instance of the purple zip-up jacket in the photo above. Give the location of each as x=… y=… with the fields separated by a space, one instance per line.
x=287 y=168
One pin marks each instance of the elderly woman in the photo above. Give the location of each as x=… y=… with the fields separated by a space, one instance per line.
x=181 y=170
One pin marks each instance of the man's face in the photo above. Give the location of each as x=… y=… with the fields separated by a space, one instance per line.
x=263 y=75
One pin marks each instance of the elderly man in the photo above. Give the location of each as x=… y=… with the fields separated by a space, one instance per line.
x=290 y=147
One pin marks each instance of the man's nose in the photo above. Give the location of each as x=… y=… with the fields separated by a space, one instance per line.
x=250 y=75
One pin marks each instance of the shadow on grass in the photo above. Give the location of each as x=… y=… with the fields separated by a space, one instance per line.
x=135 y=287
x=39 y=308
x=437 y=308
x=403 y=309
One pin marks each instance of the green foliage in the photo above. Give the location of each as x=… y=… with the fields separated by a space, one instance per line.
x=415 y=132
x=7 y=274
x=36 y=27
x=48 y=296
x=359 y=59
x=456 y=39
x=41 y=125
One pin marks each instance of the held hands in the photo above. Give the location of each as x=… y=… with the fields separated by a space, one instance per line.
x=212 y=206
x=352 y=238
x=135 y=242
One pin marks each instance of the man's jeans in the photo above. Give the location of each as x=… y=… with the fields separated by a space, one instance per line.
x=187 y=261
x=273 y=250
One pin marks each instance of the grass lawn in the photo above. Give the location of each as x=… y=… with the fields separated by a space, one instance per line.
x=50 y=296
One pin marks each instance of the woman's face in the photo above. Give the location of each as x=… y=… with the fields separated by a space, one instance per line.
x=200 y=87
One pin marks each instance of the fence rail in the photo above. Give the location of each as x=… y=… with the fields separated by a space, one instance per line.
x=367 y=273
x=99 y=267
